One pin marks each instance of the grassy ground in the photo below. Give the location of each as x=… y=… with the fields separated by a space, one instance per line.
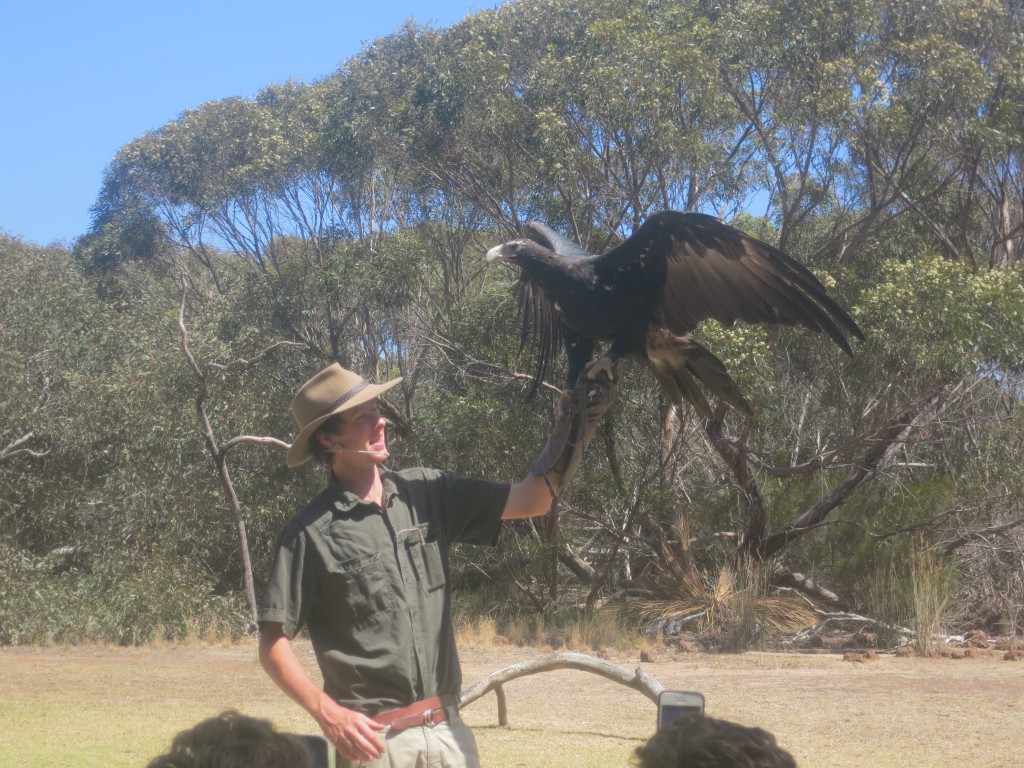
x=93 y=707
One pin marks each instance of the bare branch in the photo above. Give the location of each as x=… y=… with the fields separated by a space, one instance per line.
x=807 y=585
x=882 y=442
x=14 y=449
x=829 y=618
x=821 y=461
x=466 y=361
x=983 y=533
x=184 y=333
x=915 y=206
x=242 y=363
x=254 y=440
x=735 y=455
x=922 y=526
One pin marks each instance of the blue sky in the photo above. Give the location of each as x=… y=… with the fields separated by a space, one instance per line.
x=80 y=80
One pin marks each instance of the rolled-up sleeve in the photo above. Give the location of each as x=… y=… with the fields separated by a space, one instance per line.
x=292 y=584
x=473 y=508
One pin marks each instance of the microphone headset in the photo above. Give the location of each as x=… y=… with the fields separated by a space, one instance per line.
x=354 y=450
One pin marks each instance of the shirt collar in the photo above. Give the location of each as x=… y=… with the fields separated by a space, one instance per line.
x=348 y=502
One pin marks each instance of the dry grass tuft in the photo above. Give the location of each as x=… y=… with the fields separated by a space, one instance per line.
x=478 y=631
x=933 y=592
x=577 y=632
x=736 y=607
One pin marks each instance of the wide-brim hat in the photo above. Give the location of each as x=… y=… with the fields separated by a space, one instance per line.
x=331 y=391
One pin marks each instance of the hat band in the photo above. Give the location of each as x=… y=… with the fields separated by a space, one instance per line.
x=343 y=399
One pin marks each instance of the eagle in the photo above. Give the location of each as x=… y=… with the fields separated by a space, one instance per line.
x=645 y=295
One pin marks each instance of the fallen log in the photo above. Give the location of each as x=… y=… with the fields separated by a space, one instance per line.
x=636 y=679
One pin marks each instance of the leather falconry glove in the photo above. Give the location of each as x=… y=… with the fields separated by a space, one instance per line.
x=578 y=414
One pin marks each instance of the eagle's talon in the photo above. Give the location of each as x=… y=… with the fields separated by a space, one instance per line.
x=603 y=364
x=562 y=407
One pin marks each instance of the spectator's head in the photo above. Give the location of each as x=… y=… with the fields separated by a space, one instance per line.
x=697 y=741
x=231 y=740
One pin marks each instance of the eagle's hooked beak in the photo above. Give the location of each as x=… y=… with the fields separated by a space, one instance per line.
x=507 y=251
x=496 y=253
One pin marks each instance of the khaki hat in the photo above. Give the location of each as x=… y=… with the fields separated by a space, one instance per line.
x=331 y=391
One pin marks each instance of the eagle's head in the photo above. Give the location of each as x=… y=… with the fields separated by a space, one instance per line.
x=542 y=248
x=513 y=252
x=526 y=255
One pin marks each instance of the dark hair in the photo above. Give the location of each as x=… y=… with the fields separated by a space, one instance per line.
x=697 y=741
x=329 y=427
x=231 y=740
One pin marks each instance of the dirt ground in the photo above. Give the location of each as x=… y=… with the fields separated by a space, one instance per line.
x=119 y=707
x=825 y=710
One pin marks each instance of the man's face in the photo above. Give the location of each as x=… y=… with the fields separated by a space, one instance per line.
x=363 y=429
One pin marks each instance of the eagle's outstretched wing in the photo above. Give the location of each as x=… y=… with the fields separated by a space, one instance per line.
x=702 y=268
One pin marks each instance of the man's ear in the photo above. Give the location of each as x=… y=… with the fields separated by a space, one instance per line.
x=325 y=438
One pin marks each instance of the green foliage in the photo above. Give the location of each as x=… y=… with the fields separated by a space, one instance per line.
x=105 y=597
x=125 y=486
x=871 y=561
x=881 y=140
x=965 y=321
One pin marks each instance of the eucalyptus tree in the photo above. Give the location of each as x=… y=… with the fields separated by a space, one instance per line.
x=789 y=69
x=631 y=118
x=927 y=98
x=350 y=214
x=990 y=198
x=96 y=532
x=443 y=108
x=217 y=450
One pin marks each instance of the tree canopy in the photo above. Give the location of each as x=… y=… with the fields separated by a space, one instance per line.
x=878 y=143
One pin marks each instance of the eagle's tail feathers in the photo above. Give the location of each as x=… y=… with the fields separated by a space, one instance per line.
x=685 y=369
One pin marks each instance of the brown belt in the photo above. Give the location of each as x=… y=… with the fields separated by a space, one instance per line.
x=427 y=712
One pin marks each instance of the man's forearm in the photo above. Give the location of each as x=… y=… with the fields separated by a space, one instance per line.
x=352 y=733
x=530 y=497
x=282 y=665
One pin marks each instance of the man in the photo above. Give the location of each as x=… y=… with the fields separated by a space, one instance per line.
x=698 y=741
x=365 y=567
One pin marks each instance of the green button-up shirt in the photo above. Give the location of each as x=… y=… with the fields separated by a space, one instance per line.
x=372 y=584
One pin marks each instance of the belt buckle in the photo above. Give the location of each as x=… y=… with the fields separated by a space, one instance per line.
x=434 y=716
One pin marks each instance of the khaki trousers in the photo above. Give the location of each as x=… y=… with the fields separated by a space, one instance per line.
x=446 y=745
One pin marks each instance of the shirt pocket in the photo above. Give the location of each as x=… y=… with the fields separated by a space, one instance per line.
x=362 y=586
x=425 y=554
